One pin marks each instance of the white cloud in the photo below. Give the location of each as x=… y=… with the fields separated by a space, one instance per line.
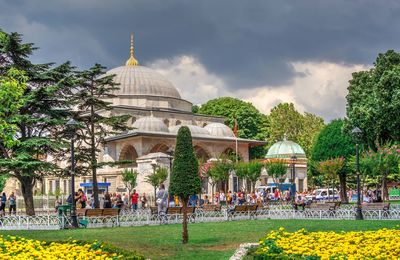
x=320 y=88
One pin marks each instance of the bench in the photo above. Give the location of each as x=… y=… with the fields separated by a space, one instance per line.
x=246 y=209
x=84 y=214
x=322 y=206
x=211 y=208
x=376 y=206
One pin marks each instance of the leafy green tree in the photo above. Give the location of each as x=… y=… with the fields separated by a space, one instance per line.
x=12 y=87
x=276 y=169
x=286 y=120
x=383 y=162
x=40 y=120
x=330 y=169
x=251 y=171
x=185 y=178
x=251 y=123
x=219 y=171
x=332 y=142
x=159 y=176
x=373 y=101
x=94 y=88
x=129 y=178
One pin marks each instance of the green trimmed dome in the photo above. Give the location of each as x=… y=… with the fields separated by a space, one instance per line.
x=285 y=149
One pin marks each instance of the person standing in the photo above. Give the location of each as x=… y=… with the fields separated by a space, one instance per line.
x=3 y=201
x=162 y=197
x=143 y=200
x=134 y=200
x=107 y=201
x=13 y=203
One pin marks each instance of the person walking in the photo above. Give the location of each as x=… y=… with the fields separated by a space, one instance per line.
x=13 y=203
x=162 y=197
x=134 y=200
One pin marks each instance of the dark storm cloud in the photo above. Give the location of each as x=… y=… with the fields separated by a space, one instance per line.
x=247 y=43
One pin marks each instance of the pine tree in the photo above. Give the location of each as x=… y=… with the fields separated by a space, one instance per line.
x=94 y=89
x=185 y=179
x=39 y=121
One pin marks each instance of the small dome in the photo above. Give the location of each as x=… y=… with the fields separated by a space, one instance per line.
x=139 y=80
x=219 y=130
x=149 y=124
x=194 y=130
x=285 y=149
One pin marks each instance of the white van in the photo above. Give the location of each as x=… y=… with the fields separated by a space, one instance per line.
x=322 y=194
x=268 y=189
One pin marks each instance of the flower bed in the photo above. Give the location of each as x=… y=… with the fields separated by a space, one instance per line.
x=380 y=244
x=12 y=247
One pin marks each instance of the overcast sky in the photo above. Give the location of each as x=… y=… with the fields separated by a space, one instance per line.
x=265 y=52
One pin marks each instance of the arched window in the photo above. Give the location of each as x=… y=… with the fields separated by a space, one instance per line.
x=128 y=153
x=159 y=148
x=201 y=153
x=178 y=122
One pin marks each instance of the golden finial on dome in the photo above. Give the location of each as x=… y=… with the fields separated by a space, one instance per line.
x=131 y=61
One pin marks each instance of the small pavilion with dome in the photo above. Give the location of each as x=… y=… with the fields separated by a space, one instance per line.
x=157 y=112
x=294 y=156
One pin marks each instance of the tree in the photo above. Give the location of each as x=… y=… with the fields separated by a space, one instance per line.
x=286 y=120
x=219 y=171
x=383 y=162
x=159 y=176
x=250 y=171
x=251 y=123
x=94 y=89
x=40 y=120
x=129 y=178
x=185 y=179
x=334 y=141
x=373 y=100
x=330 y=169
x=12 y=87
x=276 y=169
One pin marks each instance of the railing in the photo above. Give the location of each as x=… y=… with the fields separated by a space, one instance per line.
x=144 y=217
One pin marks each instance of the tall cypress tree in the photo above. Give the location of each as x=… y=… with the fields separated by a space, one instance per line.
x=185 y=179
x=39 y=121
x=94 y=89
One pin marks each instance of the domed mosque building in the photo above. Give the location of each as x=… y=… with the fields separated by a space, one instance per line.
x=294 y=156
x=157 y=112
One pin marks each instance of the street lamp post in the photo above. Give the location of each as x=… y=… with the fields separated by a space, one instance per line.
x=72 y=125
x=293 y=160
x=357 y=134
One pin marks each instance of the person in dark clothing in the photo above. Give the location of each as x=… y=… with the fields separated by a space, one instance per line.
x=107 y=201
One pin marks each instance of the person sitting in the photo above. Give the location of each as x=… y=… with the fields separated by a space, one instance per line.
x=299 y=202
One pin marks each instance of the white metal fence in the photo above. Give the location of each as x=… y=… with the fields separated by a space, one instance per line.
x=144 y=217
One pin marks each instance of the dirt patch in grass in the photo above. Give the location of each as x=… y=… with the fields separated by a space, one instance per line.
x=222 y=247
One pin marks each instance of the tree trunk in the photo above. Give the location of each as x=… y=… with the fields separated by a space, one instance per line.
x=385 y=193
x=343 y=189
x=27 y=193
x=94 y=161
x=155 y=196
x=212 y=193
x=185 y=234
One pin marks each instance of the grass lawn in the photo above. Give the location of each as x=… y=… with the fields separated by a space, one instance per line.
x=206 y=240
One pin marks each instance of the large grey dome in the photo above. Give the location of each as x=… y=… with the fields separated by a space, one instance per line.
x=219 y=130
x=139 y=80
x=150 y=124
x=194 y=130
